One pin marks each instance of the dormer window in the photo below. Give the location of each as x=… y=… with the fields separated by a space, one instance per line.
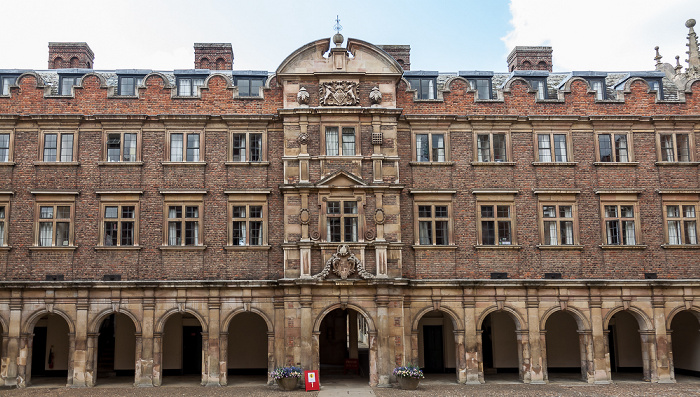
x=597 y=85
x=66 y=82
x=128 y=84
x=656 y=85
x=540 y=85
x=480 y=82
x=249 y=86
x=5 y=82
x=653 y=79
x=425 y=83
x=188 y=81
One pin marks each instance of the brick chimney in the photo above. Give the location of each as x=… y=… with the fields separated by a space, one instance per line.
x=70 y=55
x=402 y=54
x=214 y=56
x=530 y=58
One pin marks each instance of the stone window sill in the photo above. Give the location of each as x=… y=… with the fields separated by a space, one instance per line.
x=555 y=163
x=118 y=248
x=5 y=247
x=247 y=247
x=623 y=247
x=119 y=163
x=677 y=163
x=64 y=248
x=560 y=247
x=493 y=163
x=681 y=246
x=435 y=247
x=499 y=247
x=183 y=247
x=432 y=163
x=248 y=163
x=7 y=163
x=616 y=164
x=183 y=162
x=57 y=163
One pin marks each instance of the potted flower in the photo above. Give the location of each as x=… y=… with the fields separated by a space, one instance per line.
x=408 y=376
x=287 y=377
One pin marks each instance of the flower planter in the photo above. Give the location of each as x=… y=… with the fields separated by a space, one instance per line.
x=288 y=384
x=408 y=383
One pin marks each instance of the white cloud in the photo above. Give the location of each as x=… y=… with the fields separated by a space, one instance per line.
x=605 y=35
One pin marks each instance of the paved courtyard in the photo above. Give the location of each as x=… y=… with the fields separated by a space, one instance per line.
x=433 y=385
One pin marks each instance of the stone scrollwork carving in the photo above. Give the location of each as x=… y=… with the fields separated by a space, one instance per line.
x=304 y=216
x=303 y=96
x=379 y=216
x=343 y=263
x=338 y=93
x=303 y=138
x=375 y=96
x=315 y=235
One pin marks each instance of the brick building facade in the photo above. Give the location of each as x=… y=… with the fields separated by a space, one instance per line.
x=221 y=222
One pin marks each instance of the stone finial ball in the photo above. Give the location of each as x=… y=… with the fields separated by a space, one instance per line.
x=690 y=23
x=338 y=39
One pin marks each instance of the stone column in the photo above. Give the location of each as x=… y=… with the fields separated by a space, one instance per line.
x=663 y=345
x=14 y=358
x=480 y=355
x=649 y=361
x=279 y=350
x=145 y=374
x=79 y=344
x=352 y=326
x=212 y=355
x=460 y=357
x=601 y=359
x=536 y=356
x=380 y=244
x=543 y=355
x=524 y=361
x=157 y=358
x=206 y=370
x=373 y=371
x=92 y=357
x=384 y=361
x=303 y=150
x=71 y=362
x=223 y=358
x=309 y=338
x=471 y=345
x=270 y=356
x=305 y=241
x=377 y=155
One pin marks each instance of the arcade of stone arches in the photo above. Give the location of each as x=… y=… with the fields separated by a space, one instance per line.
x=81 y=344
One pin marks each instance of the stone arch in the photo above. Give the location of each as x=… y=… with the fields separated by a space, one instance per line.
x=456 y=323
x=160 y=324
x=164 y=78
x=101 y=78
x=328 y=309
x=669 y=318
x=519 y=320
x=94 y=325
x=581 y=320
x=452 y=79
x=34 y=317
x=37 y=77
x=510 y=82
x=689 y=85
x=228 y=79
x=227 y=321
x=628 y=84
x=567 y=85
x=4 y=324
x=645 y=323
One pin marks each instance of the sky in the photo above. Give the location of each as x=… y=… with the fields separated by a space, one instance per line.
x=447 y=36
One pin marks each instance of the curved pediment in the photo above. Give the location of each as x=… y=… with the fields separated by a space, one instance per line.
x=359 y=57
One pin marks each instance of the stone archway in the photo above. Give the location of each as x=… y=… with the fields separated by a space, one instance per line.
x=631 y=345
x=344 y=337
x=568 y=350
x=685 y=346
x=181 y=349
x=247 y=351
x=49 y=360
x=115 y=349
x=502 y=346
x=437 y=342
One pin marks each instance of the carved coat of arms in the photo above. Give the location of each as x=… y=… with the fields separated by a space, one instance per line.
x=343 y=263
x=338 y=93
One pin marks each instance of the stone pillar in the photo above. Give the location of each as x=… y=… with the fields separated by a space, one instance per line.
x=303 y=150
x=663 y=345
x=305 y=242
x=206 y=370
x=279 y=327
x=384 y=361
x=79 y=343
x=24 y=376
x=649 y=355
x=157 y=358
x=309 y=338
x=543 y=355
x=601 y=358
x=524 y=371
x=471 y=344
x=92 y=357
x=145 y=374
x=480 y=355
x=71 y=362
x=212 y=355
x=537 y=352
x=270 y=356
x=672 y=368
x=13 y=357
x=460 y=357
x=373 y=371
x=223 y=358
x=352 y=326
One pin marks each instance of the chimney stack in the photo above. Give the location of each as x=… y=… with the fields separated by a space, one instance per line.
x=70 y=55
x=530 y=58
x=402 y=54
x=214 y=56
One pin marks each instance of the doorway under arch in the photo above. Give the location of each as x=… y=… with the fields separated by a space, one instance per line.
x=499 y=347
x=344 y=344
x=50 y=355
x=685 y=344
x=565 y=347
x=115 y=359
x=625 y=347
x=247 y=354
x=436 y=343
x=182 y=353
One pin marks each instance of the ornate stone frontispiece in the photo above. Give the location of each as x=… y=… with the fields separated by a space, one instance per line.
x=343 y=263
x=338 y=93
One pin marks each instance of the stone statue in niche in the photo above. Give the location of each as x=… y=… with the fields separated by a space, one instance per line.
x=338 y=93
x=343 y=263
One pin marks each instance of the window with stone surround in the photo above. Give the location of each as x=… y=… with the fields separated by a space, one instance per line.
x=7 y=140
x=6 y=81
x=54 y=219
x=185 y=147
x=122 y=146
x=492 y=147
x=128 y=85
x=249 y=86
x=553 y=147
x=496 y=223
x=680 y=213
x=4 y=217
x=430 y=147
x=558 y=218
x=188 y=86
x=620 y=219
x=614 y=147
x=248 y=215
x=675 y=146
x=183 y=219
x=433 y=218
x=426 y=86
x=119 y=219
x=248 y=147
x=58 y=146
x=341 y=141
x=342 y=217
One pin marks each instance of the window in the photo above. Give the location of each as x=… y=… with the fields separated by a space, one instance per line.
x=496 y=224
x=249 y=86
x=430 y=147
x=540 y=85
x=426 y=87
x=433 y=225
x=188 y=86
x=4 y=215
x=184 y=147
x=5 y=83
x=54 y=215
x=247 y=147
x=58 y=146
x=119 y=217
x=676 y=147
x=122 y=146
x=681 y=223
x=127 y=85
x=340 y=141
x=492 y=147
x=66 y=83
x=341 y=221
x=656 y=85
x=614 y=147
x=6 y=143
x=552 y=148
x=183 y=219
x=620 y=224
x=557 y=224
x=482 y=87
x=247 y=213
x=598 y=85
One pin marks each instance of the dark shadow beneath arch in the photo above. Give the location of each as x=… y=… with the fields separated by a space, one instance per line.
x=247 y=349
x=685 y=345
x=625 y=347
x=50 y=351
x=344 y=345
x=116 y=350
x=182 y=349
x=564 y=351
x=499 y=344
